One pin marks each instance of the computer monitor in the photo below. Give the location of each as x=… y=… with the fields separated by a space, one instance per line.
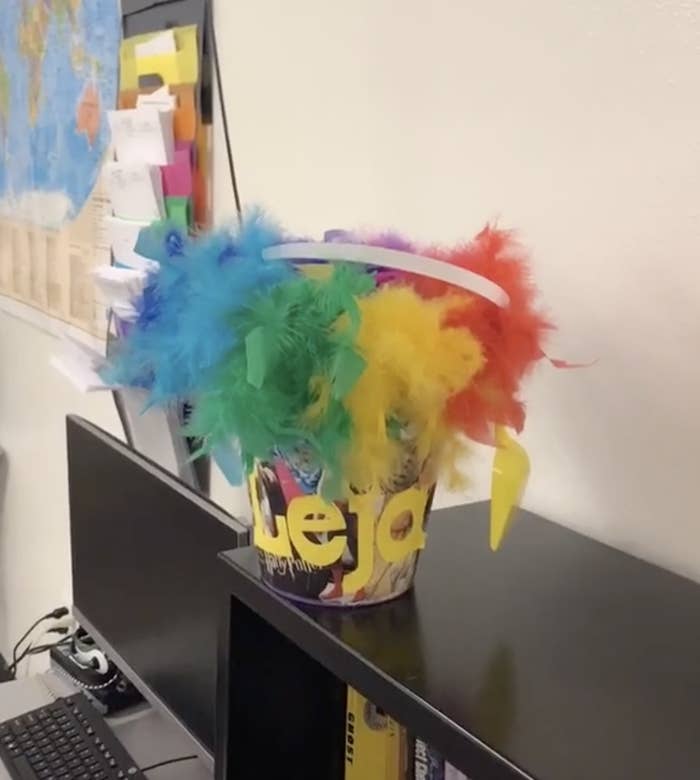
x=145 y=585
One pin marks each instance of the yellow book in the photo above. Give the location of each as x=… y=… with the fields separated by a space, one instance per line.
x=374 y=742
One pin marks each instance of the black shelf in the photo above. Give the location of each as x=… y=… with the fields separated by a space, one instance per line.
x=557 y=658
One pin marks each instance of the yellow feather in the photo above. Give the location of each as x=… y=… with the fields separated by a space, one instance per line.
x=413 y=366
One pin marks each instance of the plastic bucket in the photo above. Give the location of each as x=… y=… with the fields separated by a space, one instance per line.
x=359 y=550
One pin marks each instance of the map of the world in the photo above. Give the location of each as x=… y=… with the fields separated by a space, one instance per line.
x=58 y=78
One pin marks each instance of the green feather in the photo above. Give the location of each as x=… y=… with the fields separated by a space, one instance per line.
x=262 y=388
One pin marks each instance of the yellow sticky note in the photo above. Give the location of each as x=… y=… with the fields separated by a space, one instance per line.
x=180 y=67
x=511 y=469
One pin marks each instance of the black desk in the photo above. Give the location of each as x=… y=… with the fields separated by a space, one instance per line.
x=557 y=658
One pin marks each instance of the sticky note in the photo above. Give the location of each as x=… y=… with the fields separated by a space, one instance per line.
x=185 y=119
x=119 y=286
x=135 y=191
x=122 y=236
x=185 y=112
x=180 y=67
x=81 y=365
x=177 y=178
x=143 y=135
x=159 y=98
x=160 y=43
x=179 y=211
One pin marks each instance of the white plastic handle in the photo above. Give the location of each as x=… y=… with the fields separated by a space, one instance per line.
x=394 y=259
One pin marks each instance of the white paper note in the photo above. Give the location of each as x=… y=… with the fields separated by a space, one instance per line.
x=160 y=99
x=123 y=235
x=136 y=191
x=160 y=43
x=80 y=365
x=120 y=286
x=143 y=135
x=126 y=312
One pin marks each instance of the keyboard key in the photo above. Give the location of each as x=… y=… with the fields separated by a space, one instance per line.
x=99 y=775
x=57 y=764
x=76 y=739
x=71 y=732
x=84 y=776
x=90 y=731
x=38 y=764
x=43 y=715
x=44 y=774
x=85 y=753
x=65 y=750
x=30 y=719
x=74 y=763
x=108 y=755
x=112 y=763
x=51 y=756
x=23 y=768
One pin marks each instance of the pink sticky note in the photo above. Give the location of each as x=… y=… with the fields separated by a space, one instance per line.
x=177 y=178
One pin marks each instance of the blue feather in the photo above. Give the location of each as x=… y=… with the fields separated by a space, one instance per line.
x=185 y=315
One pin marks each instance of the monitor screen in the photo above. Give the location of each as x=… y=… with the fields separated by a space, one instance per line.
x=144 y=550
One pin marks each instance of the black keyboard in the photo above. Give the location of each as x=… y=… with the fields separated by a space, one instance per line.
x=65 y=740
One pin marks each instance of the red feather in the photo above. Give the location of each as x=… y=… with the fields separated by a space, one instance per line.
x=511 y=337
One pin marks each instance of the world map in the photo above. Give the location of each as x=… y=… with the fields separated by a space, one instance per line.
x=58 y=78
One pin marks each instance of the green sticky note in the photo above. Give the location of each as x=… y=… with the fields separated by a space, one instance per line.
x=347 y=368
x=179 y=211
x=255 y=356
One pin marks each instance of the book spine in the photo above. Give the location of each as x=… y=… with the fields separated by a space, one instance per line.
x=428 y=764
x=453 y=774
x=374 y=742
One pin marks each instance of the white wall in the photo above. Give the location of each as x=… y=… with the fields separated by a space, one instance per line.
x=34 y=521
x=577 y=122
x=34 y=532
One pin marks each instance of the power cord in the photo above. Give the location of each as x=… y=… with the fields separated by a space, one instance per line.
x=42 y=646
x=56 y=614
x=166 y=763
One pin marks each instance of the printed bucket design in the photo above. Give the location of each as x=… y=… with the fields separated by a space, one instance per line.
x=356 y=551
